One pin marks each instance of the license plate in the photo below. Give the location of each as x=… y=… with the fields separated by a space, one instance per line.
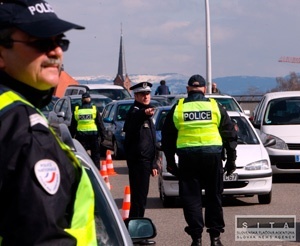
x=232 y=177
x=297 y=158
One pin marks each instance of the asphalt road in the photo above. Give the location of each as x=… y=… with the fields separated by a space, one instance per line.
x=170 y=222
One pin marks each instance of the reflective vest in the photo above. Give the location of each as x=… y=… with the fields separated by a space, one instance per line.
x=86 y=119
x=197 y=123
x=83 y=226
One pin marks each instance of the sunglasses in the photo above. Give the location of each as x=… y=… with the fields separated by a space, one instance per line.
x=45 y=45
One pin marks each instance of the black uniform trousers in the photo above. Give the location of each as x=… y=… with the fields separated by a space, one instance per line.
x=200 y=171
x=90 y=142
x=139 y=179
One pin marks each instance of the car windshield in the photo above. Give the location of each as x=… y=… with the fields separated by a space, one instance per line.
x=106 y=225
x=245 y=133
x=229 y=104
x=283 y=111
x=122 y=111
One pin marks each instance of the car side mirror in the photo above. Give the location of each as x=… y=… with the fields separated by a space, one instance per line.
x=140 y=228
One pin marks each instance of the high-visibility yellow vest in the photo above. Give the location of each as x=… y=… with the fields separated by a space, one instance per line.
x=197 y=123
x=83 y=226
x=86 y=119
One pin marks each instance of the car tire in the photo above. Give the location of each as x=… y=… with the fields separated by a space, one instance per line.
x=265 y=199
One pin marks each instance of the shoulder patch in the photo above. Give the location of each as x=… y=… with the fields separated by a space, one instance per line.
x=48 y=175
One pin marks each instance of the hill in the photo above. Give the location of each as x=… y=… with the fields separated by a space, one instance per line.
x=232 y=85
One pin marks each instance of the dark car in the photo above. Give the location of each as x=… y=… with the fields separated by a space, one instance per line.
x=49 y=107
x=64 y=107
x=113 y=117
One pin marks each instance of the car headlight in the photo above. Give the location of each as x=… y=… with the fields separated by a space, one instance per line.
x=280 y=144
x=258 y=165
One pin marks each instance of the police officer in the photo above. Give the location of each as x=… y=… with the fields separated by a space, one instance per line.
x=89 y=127
x=140 y=140
x=197 y=129
x=39 y=175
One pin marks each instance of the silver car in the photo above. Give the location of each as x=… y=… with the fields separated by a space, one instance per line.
x=111 y=229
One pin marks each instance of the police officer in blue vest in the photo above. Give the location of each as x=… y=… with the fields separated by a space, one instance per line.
x=40 y=203
x=89 y=127
x=197 y=129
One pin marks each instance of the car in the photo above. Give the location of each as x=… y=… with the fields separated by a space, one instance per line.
x=162 y=99
x=253 y=175
x=278 y=116
x=115 y=92
x=64 y=107
x=113 y=116
x=49 y=107
x=227 y=101
x=111 y=229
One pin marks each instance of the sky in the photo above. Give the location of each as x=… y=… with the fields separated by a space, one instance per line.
x=169 y=36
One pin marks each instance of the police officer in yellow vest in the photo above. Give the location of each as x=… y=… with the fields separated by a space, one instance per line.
x=46 y=196
x=89 y=127
x=197 y=129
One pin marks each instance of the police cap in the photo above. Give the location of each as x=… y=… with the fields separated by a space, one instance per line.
x=141 y=87
x=85 y=95
x=197 y=81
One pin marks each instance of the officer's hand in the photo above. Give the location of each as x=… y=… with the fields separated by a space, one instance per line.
x=173 y=169
x=230 y=167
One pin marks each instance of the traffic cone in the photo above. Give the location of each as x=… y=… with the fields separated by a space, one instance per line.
x=126 y=203
x=109 y=163
x=103 y=173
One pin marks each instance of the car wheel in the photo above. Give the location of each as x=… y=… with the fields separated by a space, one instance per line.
x=265 y=199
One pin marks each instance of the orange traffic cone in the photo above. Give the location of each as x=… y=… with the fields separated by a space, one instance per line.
x=104 y=174
x=126 y=203
x=109 y=163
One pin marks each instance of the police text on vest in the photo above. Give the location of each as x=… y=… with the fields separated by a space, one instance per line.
x=197 y=115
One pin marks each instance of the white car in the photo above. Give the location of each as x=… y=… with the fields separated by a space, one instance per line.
x=278 y=116
x=253 y=175
x=111 y=228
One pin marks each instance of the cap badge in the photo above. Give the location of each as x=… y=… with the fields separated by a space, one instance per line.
x=48 y=175
x=145 y=84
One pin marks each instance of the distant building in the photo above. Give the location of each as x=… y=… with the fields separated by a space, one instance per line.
x=122 y=78
x=64 y=81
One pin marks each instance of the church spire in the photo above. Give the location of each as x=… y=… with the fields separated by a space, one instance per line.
x=120 y=80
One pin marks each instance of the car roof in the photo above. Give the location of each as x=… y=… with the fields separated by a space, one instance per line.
x=104 y=86
x=282 y=94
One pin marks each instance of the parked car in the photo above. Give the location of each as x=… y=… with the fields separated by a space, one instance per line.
x=49 y=107
x=64 y=107
x=253 y=175
x=111 y=229
x=162 y=99
x=115 y=92
x=278 y=116
x=113 y=117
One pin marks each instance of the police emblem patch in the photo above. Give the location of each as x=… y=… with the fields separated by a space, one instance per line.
x=48 y=175
x=145 y=84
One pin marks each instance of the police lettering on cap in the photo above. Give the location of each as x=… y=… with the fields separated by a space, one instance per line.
x=85 y=95
x=34 y=17
x=197 y=81
x=141 y=87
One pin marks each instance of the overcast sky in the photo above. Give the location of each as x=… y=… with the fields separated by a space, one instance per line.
x=169 y=36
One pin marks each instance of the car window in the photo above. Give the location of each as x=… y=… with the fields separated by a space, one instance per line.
x=245 y=132
x=161 y=119
x=122 y=111
x=106 y=111
x=65 y=106
x=107 y=229
x=101 y=103
x=58 y=105
x=229 y=104
x=283 y=111
x=259 y=114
